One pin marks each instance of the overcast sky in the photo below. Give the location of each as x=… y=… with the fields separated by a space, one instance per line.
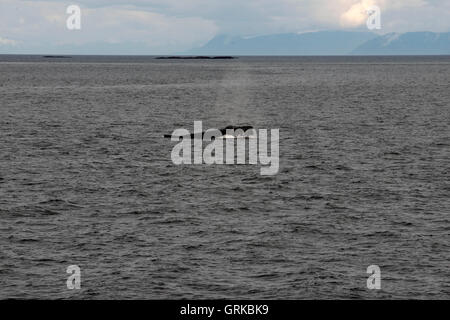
x=175 y=25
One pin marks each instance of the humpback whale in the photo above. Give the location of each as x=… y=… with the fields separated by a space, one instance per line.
x=235 y=147
x=243 y=134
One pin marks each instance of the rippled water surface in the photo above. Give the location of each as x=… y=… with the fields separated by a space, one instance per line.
x=86 y=178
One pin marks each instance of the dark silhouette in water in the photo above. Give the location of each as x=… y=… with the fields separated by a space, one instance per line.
x=223 y=131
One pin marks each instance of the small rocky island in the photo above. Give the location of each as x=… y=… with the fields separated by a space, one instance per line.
x=196 y=57
x=56 y=57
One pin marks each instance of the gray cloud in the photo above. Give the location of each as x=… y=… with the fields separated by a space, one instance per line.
x=175 y=25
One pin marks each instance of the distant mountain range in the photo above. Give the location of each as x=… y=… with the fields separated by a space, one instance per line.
x=311 y=43
x=330 y=43
x=411 y=43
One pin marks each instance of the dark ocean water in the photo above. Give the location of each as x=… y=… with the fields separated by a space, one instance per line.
x=86 y=178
